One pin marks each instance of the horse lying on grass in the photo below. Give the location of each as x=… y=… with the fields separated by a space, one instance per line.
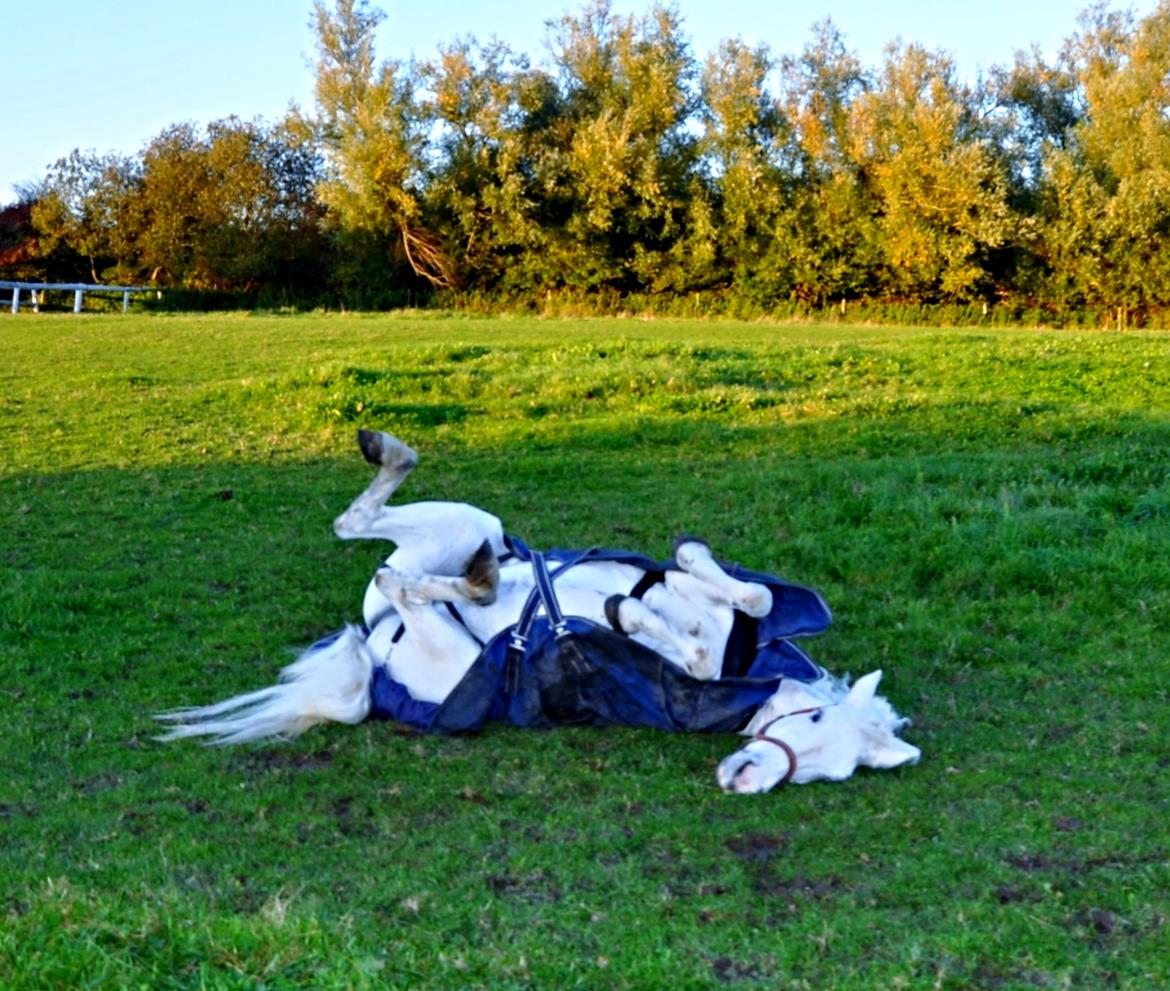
x=465 y=624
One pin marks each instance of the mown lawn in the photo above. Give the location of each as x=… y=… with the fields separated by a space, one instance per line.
x=988 y=513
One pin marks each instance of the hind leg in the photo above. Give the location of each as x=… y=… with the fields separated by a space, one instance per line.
x=694 y=557
x=394 y=461
x=432 y=537
x=691 y=606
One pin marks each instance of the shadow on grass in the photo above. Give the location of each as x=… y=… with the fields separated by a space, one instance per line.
x=999 y=586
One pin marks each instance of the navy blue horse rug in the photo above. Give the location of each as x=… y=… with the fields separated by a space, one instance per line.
x=552 y=670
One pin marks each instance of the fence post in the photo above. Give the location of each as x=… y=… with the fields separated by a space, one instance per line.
x=126 y=302
x=15 y=300
x=77 y=294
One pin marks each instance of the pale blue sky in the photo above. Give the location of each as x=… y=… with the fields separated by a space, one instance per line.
x=109 y=76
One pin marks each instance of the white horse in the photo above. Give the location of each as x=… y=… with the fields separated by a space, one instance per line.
x=818 y=731
x=453 y=584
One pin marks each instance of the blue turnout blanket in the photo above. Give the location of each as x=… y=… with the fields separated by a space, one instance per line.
x=551 y=669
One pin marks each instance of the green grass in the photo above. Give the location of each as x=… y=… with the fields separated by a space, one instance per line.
x=988 y=513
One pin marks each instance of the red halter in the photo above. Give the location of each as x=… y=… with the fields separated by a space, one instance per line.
x=763 y=737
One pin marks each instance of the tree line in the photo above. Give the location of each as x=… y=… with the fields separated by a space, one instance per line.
x=624 y=171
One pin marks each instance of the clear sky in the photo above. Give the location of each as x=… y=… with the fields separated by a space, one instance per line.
x=109 y=76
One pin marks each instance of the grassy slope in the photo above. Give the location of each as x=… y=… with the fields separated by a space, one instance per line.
x=988 y=514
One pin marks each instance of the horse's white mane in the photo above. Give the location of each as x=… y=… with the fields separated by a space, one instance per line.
x=875 y=721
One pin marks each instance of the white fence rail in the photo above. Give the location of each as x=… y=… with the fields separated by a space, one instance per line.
x=78 y=289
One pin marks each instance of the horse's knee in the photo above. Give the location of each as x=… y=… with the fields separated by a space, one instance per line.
x=395 y=587
x=700 y=663
x=756 y=601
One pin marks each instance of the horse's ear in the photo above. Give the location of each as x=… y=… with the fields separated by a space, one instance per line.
x=862 y=692
x=892 y=753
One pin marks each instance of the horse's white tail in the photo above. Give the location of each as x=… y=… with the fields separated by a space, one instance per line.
x=328 y=683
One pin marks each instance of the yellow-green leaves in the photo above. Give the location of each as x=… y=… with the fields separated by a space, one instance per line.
x=940 y=193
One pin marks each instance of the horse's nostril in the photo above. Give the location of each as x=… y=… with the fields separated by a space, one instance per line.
x=743 y=779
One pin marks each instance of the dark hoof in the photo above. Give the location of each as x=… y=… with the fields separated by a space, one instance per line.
x=385 y=451
x=688 y=538
x=371 y=444
x=612 y=604
x=482 y=573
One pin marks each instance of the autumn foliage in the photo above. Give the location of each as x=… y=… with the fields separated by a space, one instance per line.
x=625 y=171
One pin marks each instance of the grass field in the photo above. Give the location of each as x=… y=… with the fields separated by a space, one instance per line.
x=988 y=513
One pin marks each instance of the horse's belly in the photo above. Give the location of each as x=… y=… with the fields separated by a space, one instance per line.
x=603 y=577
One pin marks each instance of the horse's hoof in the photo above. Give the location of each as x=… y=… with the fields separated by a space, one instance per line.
x=688 y=538
x=370 y=443
x=386 y=451
x=482 y=574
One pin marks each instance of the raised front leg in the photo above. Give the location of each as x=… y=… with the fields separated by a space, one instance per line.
x=694 y=557
x=477 y=585
x=634 y=618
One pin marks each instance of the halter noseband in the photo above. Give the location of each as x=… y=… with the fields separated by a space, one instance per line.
x=763 y=737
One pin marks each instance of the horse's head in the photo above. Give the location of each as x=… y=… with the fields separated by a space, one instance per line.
x=806 y=739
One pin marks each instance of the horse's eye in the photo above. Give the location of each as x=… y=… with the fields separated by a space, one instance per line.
x=816 y=716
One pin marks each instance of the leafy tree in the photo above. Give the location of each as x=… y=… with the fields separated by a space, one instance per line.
x=172 y=210
x=940 y=190
x=1107 y=208
x=479 y=191
x=19 y=249
x=1041 y=105
x=827 y=243
x=743 y=133
x=614 y=164
x=373 y=136
x=82 y=215
x=232 y=209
